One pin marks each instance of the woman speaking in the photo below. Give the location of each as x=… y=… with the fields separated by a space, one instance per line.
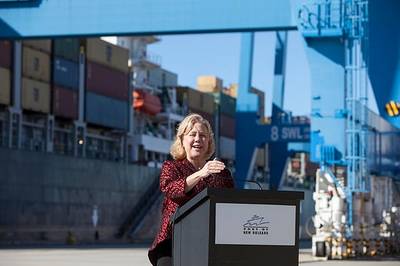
x=185 y=176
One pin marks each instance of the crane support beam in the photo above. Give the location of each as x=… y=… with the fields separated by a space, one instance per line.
x=60 y=18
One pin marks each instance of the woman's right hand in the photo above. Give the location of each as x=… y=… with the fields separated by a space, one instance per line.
x=211 y=167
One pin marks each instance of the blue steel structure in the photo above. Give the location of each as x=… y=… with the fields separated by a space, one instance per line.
x=384 y=56
x=339 y=49
x=246 y=116
x=57 y=18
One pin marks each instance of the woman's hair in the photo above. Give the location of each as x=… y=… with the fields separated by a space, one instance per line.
x=177 y=151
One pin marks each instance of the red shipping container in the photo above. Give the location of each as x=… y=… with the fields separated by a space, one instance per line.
x=227 y=126
x=65 y=103
x=106 y=81
x=5 y=54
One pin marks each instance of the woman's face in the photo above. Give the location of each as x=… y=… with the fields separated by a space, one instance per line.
x=195 y=142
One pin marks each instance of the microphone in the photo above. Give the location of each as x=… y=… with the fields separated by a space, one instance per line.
x=241 y=180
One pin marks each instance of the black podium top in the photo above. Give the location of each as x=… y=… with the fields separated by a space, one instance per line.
x=238 y=196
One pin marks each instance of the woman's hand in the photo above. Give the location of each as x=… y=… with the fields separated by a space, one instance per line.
x=211 y=167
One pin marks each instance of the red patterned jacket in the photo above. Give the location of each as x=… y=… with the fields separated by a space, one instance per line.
x=172 y=184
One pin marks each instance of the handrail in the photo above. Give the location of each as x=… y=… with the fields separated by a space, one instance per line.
x=140 y=209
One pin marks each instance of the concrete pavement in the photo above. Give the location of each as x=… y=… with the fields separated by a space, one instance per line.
x=134 y=256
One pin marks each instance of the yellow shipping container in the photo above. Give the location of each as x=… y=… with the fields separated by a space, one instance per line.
x=201 y=101
x=5 y=86
x=209 y=84
x=36 y=64
x=194 y=99
x=233 y=90
x=42 y=45
x=35 y=95
x=107 y=54
x=208 y=103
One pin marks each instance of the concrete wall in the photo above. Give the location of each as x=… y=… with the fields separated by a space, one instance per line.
x=43 y=196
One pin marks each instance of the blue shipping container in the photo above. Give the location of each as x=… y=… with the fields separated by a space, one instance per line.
x=105 y=111
x=65 y=73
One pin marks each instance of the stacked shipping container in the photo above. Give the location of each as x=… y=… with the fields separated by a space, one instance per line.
x=36 y=75
x=107 y=84
x=66 y=78
x=5 y=71
x=197 y=102
x=227 y=124
x=226 y=113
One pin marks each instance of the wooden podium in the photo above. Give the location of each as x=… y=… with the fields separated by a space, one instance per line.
x=230 y=227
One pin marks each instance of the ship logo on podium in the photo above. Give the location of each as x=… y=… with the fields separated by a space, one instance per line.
x=256 y=225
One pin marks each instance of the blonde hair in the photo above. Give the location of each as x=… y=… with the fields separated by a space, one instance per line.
x=177 y=151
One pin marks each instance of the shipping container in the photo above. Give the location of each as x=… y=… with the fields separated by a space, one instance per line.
x=107 y=54
x=5 y=54
x=194 y=100
x=207 y=116
x=66 y=73
x=42 y=45
x=36 y=64
x=209 y=84
x=227 y=126
x=208 y=103
x=107 y=81
x=233 y=90
x=227 y=105
x=35 y=95
x=105 y=111
x=145 y=102
x=5 y=86
x=68 y=48
x=65 y=103
x=198 y=100
x=227 y=148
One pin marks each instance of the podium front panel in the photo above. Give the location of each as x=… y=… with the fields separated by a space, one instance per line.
x=190 y=247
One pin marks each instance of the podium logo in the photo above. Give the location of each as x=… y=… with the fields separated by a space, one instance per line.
x=256 y=225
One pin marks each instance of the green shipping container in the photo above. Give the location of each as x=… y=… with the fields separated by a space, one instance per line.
x=67 y=48
x=227 y=105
